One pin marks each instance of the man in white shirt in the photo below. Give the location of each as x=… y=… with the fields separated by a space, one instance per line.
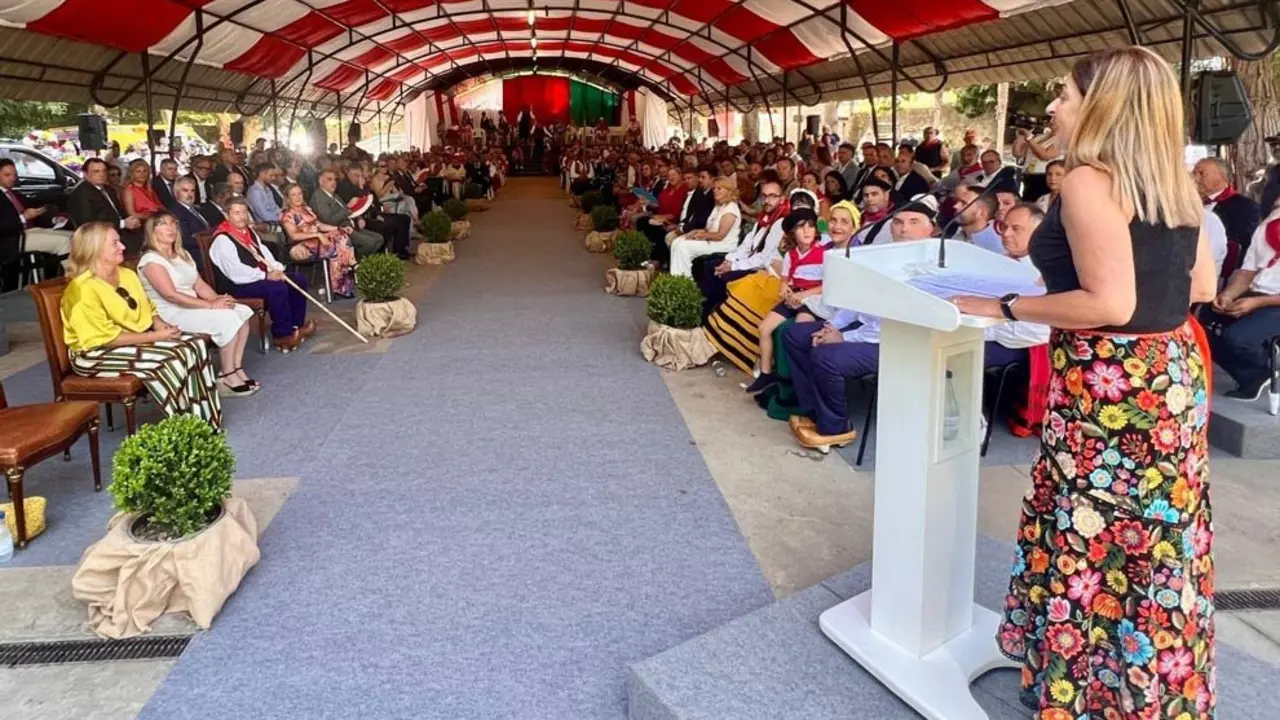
x=991 y=164
x=1217 y=233
x=1246 y=314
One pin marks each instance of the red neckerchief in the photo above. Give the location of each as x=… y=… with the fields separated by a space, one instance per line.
x=973 y=169
x=766 y=219
x=243 y=237
x=1227 y=193
x=1273 y=241
x=874 y=217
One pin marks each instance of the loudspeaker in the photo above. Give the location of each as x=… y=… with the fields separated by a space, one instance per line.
x=813 y=124
x=1220 y=109
x=353 y=132
x=713 y=127
x=237 y=133
x=93 y=132
x=155 y=136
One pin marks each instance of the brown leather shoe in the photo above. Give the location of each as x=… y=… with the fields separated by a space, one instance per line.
x=288 y=342
x=809 y=437
x=308 y=328
x=800 y=421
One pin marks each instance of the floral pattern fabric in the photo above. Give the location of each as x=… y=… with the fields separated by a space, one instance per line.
x=1110 y=605
x=339 y=253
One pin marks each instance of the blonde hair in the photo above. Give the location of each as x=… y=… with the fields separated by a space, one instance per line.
x=728 y=186
x=86 y=246
x=1131 y=128
x=152 y=246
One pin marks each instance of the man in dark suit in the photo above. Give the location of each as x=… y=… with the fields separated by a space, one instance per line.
x=332 y=210
x=211 y=209
x=910 y=183
x=163 y=183
x=93 y=201
x=190 y=220
x=393 y=227
x=1239 y=213
x=227 y=167
x=201 y=169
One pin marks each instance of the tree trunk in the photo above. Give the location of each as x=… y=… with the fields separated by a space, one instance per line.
x=1249 y=155
x=1002 y=114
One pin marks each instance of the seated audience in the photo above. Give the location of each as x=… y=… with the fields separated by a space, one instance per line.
x=910 y=182
x=992 y=163
x=310 y=239
x=834 y=189
x=162 y=184
x=261 y=197
x=977 y=220
x=877 y=209
x=968 y=171
x=190 y=219
x=332 y=210
x=393 y=227
x=93 y=200
x=212 y=209
x=1245 y=316
x=182 y=299
x=112 y=329
x=18 y=222
x=1054 y=172
x=201 y=168
x=245 y=268
x=720 y=233
x=753 y=253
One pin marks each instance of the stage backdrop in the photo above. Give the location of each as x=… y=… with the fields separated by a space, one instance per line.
x=558 y=100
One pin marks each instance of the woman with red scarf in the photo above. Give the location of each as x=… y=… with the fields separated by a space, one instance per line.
x=244 y=268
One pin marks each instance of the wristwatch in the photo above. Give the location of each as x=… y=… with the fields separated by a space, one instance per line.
x=1006 y=305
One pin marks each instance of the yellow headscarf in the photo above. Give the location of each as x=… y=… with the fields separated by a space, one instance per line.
x=852 y=210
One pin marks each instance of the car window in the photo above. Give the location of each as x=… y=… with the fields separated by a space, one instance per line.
x=32 y=169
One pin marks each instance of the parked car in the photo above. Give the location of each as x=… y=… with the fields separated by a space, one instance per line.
x=41 y=179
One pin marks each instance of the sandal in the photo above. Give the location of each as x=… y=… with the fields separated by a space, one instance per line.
x=228 y=390
x=248 y=380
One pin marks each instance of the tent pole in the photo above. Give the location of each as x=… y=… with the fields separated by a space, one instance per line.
x=146 y=80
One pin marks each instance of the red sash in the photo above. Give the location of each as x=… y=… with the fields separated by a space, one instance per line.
x=245 y=238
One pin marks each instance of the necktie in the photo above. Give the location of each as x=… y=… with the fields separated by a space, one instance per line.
x=110 y=202
x=17 y=205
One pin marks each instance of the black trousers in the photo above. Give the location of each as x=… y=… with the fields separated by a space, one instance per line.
x=715 y=290
x=394 y=228
x=657 y=235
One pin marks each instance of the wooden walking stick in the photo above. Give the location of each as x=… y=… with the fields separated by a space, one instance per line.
x=305 y=294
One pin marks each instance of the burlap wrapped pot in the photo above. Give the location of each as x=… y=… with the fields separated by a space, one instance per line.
x=673 y=348
x=386 y=319
x=128 y=582
x=573 y=201
x=582 y=222
x=477 y=204
x=434 y=253
x=600 y=242
x=460 y=230
x=628 y=282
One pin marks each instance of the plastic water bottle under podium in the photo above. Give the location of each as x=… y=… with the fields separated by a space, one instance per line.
x=950 y=413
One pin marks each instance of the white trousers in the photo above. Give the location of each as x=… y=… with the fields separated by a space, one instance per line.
x=57 y=242
x=684 y=251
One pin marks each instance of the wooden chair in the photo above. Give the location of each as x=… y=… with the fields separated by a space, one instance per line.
x=30 y=434
x=125 y=389
x=257 y=305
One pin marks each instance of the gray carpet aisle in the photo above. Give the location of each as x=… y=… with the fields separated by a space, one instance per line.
x=499 y=514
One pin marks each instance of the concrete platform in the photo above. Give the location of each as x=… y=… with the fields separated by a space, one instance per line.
x=1245 y=429
x=776 y=663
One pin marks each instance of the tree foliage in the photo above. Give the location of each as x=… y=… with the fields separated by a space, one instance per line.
x=1027 y=98
x=18 y=117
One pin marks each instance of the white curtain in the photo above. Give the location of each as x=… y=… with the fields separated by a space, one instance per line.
x=653 y=118
x=418 y=121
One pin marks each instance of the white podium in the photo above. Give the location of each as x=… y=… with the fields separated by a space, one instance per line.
x=917 y=629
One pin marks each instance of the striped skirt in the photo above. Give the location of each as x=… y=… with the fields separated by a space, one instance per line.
x=734 y=327
x=177 y=373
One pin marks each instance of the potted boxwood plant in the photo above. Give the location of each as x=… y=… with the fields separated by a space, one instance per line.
x=457 y=212
x=632 y=276
x=604 y=225
x=438 y=249
x=590 y=199
x=674 y=339
x=180 y=543
x=381 y=311
x=476 y=200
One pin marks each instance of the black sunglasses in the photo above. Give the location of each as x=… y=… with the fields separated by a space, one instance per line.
x=133 y=304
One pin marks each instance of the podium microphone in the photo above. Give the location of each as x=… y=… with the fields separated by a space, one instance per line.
x=1008 y=172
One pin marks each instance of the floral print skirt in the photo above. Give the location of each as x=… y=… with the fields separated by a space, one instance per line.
x=1110 y=605
x=338 y=253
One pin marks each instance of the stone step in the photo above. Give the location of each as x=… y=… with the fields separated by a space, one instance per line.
x=776 y=663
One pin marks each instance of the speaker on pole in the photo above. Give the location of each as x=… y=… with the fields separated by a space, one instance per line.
x=237 y=133
x=813 y=124
x=93 y=132
x=713 y=127
x=353 y=133
x=1220 y=109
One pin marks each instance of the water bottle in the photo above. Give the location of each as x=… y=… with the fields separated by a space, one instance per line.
x=950 y=413
x=6 y=541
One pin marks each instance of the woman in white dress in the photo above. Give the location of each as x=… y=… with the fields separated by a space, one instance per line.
x=182 y=299
x=721 y=235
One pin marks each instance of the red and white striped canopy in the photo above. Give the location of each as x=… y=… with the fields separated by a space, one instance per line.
x=384 y=47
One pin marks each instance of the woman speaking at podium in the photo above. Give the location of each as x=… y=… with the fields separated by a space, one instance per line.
x=1110 y=605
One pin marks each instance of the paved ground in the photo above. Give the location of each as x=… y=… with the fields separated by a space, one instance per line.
x=804 y=518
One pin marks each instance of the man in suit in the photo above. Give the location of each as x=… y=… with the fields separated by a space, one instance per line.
x=1239 y=213
x=394 y=227
x=190 y=219
x=163 y=183
x=201 y=169
x=228 y=167
x=211 y=209
x=93 y=201
x=910 y=183
x=332 y=210
x=18 y=229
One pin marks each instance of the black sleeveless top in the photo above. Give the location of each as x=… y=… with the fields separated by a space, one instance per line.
x=1162 y=262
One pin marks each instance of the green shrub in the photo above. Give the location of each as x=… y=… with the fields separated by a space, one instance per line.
x=676 y=301
x=631 y=249
x=456 y=209
x=604 y=218
x=380 y=277
x=473 y=191
x=175 y=472
x=590 y=199
x=435 y=226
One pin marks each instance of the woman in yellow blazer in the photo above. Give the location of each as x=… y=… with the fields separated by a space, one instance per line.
x=112 y=329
